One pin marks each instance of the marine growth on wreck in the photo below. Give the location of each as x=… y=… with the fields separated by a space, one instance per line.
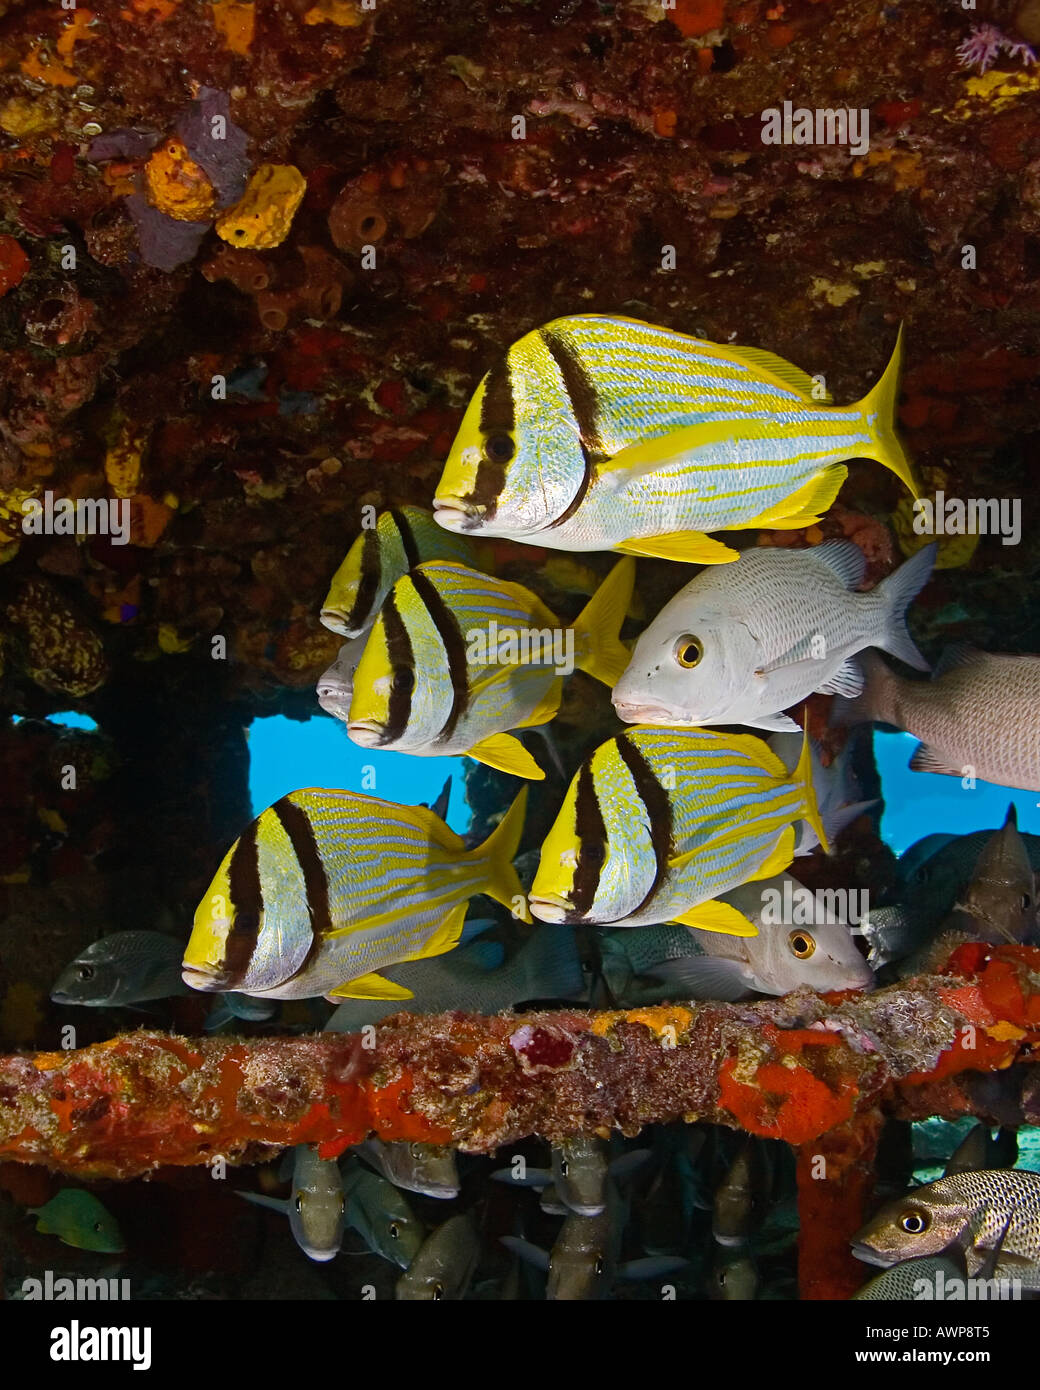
x=520 y=651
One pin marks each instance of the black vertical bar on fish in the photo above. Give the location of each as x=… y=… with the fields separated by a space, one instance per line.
x=247 y=903
x=591 y=834
x=411 y=550
x=368 y=584
x=401 y=658
x=658 y=806
x=585 y=409
x=497 y=416
x=447 y=626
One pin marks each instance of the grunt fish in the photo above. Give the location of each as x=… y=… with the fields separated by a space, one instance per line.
x=444 y=1266
x=126 y=967
x=335 y=686
x=401 y=539
x=978 y=713
x=598 y=431
x=977 y=1204
x=456 y=659
x=381 y=1215
x=326 y=887
x=740 y=645
x=658 y=822
x=316 y=1205
x=78 y=1219
x=428 y=1169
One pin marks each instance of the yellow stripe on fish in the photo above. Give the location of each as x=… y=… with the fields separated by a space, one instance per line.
x=401 y=539
x=327 y=887
x=659 y=822
x=456 y=659
x=599 y=432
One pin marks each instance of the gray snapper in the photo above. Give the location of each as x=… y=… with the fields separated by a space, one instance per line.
x=316 y=1205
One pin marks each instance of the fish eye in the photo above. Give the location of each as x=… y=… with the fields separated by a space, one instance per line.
x=597 y=1268
x=416 y=1151
x=404 y=679
x=595 y=854
x=246 y=922
x=802 y=944
x=914 y=1222
x=97 y=1225
x=298 y=1204
x=342 y=1205
x=499 y=448
x=688 y=651
x=564 y=1167
x=395 y=1230
x=85 y=972
x=438 y=1292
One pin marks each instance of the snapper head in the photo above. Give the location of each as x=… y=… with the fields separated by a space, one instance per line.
x=518 y=462
x=907 y=1228
x=685 y=670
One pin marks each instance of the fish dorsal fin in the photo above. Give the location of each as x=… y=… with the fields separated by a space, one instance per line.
x=546 y=708
x=807 y=505
x=688 y=547
x=432 y=825
x=843 y=557
x=370 y=986
x=785 y=372
x=956 y=656
x=507 y=754
x=717 y=916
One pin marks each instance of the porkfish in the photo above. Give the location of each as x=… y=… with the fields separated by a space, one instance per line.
x=401 y=539
x=658 y=823
x=456 y=659
x=327 y=887
x=599 y=432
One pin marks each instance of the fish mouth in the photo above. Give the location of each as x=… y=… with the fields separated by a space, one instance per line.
x=204 y=977
x=550 y=907
x=635 y=712
x=870 y=1256
x=317 y=1252
x=366 y=733
x=456 y=515
x=336 y=621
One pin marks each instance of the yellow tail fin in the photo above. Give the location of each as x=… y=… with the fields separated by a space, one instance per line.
x=597 y=647
x=803 y=775
x=879 y=405
x=498 y=849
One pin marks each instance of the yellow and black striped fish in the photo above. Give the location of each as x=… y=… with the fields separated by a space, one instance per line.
x=401 y=539
x=599 y=432
x=658 y=822
x=327 y=887
x=455 y=659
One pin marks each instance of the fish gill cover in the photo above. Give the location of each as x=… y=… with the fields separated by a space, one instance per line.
x=305 y=306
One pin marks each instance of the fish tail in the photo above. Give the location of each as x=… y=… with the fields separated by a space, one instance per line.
x=880 y=405
x=499 y=849
x=803 y=776
x=598 y=648
x=896 y=593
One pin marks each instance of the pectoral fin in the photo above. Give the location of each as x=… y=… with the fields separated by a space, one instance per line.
x=371 y=986
x=806 y=506
x=927 y=759
x=717 y=916
x=507 y=754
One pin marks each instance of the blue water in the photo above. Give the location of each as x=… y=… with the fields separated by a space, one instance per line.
x=925 y=803
x=68 y=719
x=285 y=754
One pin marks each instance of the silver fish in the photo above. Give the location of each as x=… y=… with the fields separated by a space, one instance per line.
x=336 y=683
x=316 y=1206
x=381 y=1215
x=444 y=1266
x=978 y=713
x=819 y=954
x=127 y=967
x=741 y=644
x=427 y=1169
